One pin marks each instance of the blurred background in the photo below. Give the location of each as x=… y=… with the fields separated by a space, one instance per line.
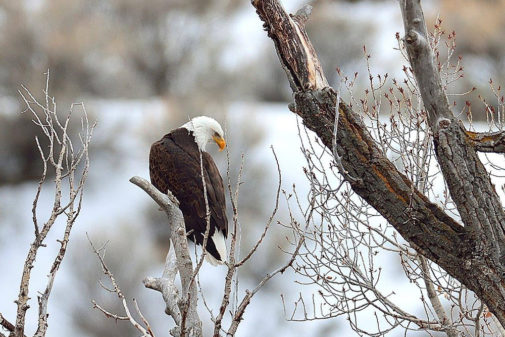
x=143 y=68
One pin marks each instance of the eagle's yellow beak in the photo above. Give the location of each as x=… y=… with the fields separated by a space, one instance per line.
x=220 y=142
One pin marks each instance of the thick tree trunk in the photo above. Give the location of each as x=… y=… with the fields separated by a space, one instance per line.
x=470 y=253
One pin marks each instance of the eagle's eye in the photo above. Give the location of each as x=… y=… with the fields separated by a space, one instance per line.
x=219 y=141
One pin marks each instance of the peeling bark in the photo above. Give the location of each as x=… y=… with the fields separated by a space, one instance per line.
x=487 y=141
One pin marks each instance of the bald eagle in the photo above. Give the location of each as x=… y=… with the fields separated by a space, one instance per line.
x=174 y=164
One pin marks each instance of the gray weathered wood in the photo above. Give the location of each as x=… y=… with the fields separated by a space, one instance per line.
x=421 y=59
x=186 y=316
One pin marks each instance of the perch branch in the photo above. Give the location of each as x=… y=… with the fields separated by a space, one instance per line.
x=166 y=286
x=184 y=264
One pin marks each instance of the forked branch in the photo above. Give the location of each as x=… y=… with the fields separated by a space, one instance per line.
x=70 y=164
x=470 y=254
x=179 y=304
x=187 y=304
x=422 y=60
x=145 y=330
x=468 y=181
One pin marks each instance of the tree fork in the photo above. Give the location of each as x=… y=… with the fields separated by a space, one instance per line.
x=423 y=224
x=466 y=177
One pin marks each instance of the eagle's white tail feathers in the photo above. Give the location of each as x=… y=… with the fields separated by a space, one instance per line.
x=212 y=260
x=220 y=243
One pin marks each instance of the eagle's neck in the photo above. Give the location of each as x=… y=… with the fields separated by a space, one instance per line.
x=201 y=138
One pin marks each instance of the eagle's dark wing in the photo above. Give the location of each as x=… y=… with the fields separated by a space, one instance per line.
x=215 y=193
x=174 y=164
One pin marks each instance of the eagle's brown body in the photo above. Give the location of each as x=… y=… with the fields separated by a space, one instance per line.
x=174 y=164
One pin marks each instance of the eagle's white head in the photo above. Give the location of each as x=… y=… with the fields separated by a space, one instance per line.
x=206 y=129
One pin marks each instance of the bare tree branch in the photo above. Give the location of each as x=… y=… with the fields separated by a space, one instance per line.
x=421 y=58
x=473 y=253
x=6 y=324
x=71 y=170
x=146 y=331
x=237 y=317
x=488 y=141
x=188 y=302
x=381 y=184
x=269 y=221
x=234 y=262
x=467 y=179
x=435 y=301
x=166 y=286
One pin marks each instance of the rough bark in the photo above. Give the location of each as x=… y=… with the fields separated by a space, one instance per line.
x=487 y=141
x=468 y=181
x=469 y=253
x=6 y=324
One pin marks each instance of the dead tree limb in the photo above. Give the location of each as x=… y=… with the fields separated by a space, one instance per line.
x=145 y=330
x=167 y=287
x=70 y=164
x=193 y=324
x=469 y=253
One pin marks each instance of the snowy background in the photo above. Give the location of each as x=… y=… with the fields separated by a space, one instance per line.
x=143 y=69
